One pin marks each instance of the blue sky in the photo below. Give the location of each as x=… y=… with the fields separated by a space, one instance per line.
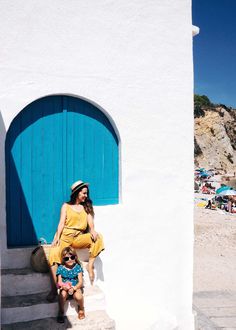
x=215 y=50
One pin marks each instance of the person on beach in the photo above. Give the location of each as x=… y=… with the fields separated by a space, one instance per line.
x=76 y=229
x=211 y=204
x=70 y=282
x=229 y=204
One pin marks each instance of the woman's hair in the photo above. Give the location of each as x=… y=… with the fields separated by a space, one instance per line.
x=87 y=204
x=69 y=250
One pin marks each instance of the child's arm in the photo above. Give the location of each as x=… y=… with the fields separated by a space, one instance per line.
x=79 y=285
x=59 y=281
x=61 y=285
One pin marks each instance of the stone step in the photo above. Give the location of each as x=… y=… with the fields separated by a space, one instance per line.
x=21 y=257
x=215 y=309
x=25 y=281
x=96 y=320
x=23 y=308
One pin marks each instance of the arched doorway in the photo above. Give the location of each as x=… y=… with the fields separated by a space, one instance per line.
x=53 y=142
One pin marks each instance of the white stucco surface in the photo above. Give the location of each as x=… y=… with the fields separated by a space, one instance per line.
x=134 y=60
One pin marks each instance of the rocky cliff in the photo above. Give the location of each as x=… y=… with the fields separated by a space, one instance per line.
x=215 y=138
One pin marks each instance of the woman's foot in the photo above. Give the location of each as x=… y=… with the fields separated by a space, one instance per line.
x=81 y=314
x=51 y=296
x=60 y=318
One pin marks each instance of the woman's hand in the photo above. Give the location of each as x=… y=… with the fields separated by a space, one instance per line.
x=55 y=242
x=94 y=235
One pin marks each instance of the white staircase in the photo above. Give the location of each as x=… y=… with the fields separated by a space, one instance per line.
x=24 y=304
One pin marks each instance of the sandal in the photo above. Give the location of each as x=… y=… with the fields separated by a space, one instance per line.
x=60 y=318
x=81 y=314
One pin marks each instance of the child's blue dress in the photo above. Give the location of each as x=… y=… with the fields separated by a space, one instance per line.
x=69 y=275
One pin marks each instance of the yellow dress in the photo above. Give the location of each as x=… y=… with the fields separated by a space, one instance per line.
x=73 y=234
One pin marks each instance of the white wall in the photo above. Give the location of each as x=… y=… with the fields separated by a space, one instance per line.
x=134 y=59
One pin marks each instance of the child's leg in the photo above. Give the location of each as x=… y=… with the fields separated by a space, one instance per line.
x=61 y=301
x=78 y=296
x=63 y=295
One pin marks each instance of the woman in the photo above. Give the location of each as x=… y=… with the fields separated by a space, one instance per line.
x=76 y=229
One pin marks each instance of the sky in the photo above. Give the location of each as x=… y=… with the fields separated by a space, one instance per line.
x=214 y=50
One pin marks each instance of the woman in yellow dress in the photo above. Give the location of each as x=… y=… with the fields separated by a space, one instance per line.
x=76 y=229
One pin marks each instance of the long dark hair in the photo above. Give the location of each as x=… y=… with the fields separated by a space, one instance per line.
x=87 y=204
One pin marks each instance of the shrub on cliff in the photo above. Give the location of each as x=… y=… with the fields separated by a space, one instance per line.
x=201 y=102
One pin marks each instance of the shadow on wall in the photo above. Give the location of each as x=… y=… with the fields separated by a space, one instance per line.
x=2 y=184
x=99 y=269
x=3 y=223
x=20 y=228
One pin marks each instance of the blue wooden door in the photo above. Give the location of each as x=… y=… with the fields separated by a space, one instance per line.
x=53 y=142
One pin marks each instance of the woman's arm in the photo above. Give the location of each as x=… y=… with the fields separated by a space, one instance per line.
x=60 y=226
x=91 y=227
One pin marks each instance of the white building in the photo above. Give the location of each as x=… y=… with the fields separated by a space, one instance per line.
x=133 y=61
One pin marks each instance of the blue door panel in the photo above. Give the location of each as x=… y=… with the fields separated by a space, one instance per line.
x=52 y=143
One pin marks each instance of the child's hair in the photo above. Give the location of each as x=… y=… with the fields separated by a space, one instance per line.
x=71 y=251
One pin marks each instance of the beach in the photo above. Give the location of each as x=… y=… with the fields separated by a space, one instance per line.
x=214 y=279
x=214 y=249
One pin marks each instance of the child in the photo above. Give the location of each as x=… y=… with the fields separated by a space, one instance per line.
x=70 y=282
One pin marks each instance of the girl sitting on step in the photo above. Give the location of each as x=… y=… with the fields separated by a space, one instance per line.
x=70 y=282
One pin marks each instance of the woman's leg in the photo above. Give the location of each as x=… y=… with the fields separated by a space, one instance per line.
x=53 y=279
x=85 y=241
x=96 y=248
x=90 y=269
x=78 y=296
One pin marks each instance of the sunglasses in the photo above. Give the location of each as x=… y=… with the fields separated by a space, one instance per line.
x=70 y=257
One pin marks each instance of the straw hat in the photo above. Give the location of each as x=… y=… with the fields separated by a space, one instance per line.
x=77 y=185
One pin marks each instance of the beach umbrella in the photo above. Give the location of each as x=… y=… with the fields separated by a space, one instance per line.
x=223 y=188
x=200 y=169
x=212 y=180
x=204 y=175
x=228 y=192
x=210 y=173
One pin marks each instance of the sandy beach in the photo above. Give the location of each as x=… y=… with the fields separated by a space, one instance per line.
x=214 y=249
x=214 y=279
